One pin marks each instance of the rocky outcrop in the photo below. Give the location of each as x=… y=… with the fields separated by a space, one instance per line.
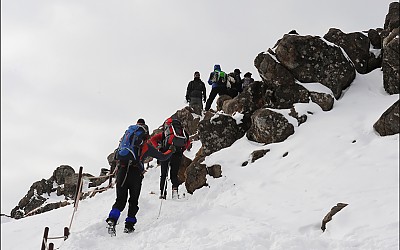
x=196 y=175
x=61 y=184
x=391 y=63
x=389 y=122
x=251 y=99
x=392 y=19
x=311 y=59
x=287 y=95
x=328 y=216
x=218 y=132
x=189 y=120
x=357 y=47
x=182 y=169
x=325 y=101
x=257 y=154
x=269 y=127
x=271 y=70
x=391 y=50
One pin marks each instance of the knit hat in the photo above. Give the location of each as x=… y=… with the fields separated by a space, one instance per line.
x=248 y=74
x=140 y=121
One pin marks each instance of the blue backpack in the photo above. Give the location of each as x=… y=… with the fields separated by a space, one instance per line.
x=133 y=137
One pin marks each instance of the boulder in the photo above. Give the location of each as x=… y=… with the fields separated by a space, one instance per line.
x=325 y=101
x=357 y=47
x=271 y=71
x=257 y=154
x=215 y=171
x=311 y=59
x=182 y=169
x=392 y=19
x=218 y=132
x=196 y=175
x=287 y=95
x=391 y=62
x=269 y=127
x=251 y=99
x=389 y=122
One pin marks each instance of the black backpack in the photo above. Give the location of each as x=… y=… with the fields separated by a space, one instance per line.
x=174 y=133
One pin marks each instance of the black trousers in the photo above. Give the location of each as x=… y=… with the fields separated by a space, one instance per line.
x=214 y=91
x=129 y=180
x=174 y=162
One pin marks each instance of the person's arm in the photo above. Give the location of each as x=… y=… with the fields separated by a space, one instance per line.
x=204 y=91
x=149 y=151
x=188 y=91
x=188 y=144
x=155 y=139
x=209 y=79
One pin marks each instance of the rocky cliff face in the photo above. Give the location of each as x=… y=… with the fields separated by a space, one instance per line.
x=45 y=195
x=332 y=60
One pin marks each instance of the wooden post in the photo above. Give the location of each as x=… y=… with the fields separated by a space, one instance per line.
x=51 y=246
x=66 y=233
x=78 y=186
x=44 y=239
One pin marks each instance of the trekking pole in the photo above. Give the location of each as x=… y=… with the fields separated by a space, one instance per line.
x=163 y=192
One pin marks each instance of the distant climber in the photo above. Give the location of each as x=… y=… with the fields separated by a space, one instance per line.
x=218 y=80
x=196 y=93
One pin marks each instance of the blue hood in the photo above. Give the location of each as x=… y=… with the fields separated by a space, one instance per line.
x=217 y=67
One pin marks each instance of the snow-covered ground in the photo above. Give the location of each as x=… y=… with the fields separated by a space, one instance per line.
x=275 y=203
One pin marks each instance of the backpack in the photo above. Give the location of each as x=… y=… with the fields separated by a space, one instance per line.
x=133 y=137
x=174 y=133
x=218 y=77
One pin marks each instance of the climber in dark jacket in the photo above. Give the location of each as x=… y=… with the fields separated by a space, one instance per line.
x=235 y=82
x=196 y=93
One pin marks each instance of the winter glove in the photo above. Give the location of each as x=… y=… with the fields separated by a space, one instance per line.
x=189 y=147
x=172 y=148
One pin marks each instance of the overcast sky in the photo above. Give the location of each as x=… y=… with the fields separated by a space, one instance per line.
x=76 y=74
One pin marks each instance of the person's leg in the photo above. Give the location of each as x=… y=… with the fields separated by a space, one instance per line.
x=122 y=195
x=175 y=162
x=196 y=104
x=211 y=97
x=222 y=91
x=135 y=185
x=163 y=177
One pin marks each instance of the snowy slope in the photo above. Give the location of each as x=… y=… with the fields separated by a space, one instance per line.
x=274 y=203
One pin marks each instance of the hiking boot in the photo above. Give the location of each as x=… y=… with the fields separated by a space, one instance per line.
x=129 y=227
x=163 y=196
x=111 y=222
x=175 y=195
x=111 y=226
